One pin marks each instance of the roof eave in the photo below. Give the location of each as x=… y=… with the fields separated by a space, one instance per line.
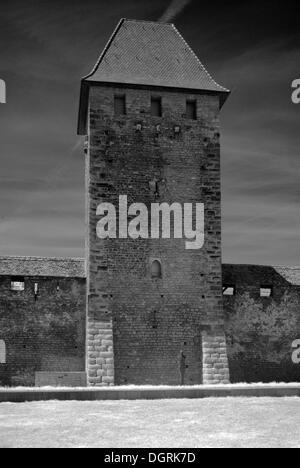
x=83 y=108
x=84 y=97
x=224 y=95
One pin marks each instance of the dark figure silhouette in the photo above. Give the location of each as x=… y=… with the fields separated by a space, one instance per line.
x=182 y=366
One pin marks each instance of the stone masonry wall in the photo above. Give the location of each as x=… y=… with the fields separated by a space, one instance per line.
x=260 y=331
x=215 y=362
x=152 y=319
x=42 y=334
x=100 y=353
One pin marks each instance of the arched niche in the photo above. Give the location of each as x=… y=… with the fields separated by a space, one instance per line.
x=156 y=269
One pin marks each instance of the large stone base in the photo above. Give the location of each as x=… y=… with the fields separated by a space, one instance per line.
x=100 y=355
x=215 y=361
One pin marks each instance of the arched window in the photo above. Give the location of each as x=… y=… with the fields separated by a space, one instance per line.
x=155 y=269
x=2 y=352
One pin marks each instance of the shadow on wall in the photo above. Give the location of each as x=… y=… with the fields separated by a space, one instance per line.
x=4 y=379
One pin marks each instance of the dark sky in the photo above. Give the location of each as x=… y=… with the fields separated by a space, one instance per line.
x=251 y=47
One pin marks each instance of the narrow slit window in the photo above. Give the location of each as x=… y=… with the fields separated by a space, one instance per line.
x=191 y=110
x=155 y=269
x=36 y=290
x=266 y=291
x=229 y=290
x=120 y=104
x=17 y=283
x=156 y=108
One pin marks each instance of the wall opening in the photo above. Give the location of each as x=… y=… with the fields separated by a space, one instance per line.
x=156 y=109
x=191 y=110
x=266 y=291
x=17 y=283
x=156 y=269
x=229 y=290
x=120 y=104
x=36 y=290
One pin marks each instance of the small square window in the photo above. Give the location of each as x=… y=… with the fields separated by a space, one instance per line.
x=266 y=291
x=156 y=109
x=17 y=284
x=191 y=110
x=120 y=104
x=229 y=290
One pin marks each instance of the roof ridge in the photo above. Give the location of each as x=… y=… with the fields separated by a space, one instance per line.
x=33 y=257
x=199 y=61
x=148 y=21
x=101 y=57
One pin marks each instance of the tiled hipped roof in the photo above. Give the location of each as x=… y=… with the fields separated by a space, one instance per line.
x=39 y=266
x=148 y=53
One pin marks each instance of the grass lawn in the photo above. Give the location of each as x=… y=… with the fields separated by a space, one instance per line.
x=212 y=422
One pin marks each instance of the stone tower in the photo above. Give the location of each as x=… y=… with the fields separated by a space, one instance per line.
x=150 y=112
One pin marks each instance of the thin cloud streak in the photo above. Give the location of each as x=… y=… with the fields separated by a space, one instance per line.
x=173 y=10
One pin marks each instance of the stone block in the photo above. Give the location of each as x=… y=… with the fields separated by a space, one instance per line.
x=107 y=354
x=94 y=380
x=108 y=379
x=100 y=361
x=107 y=343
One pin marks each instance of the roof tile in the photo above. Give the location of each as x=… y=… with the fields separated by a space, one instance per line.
x=39 y=266
x=153 y=54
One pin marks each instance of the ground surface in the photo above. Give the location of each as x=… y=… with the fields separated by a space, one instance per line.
x=221 y=422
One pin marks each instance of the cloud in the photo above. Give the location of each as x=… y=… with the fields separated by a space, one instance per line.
x=173 y=10
x=46 y=47
x=260 y=157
